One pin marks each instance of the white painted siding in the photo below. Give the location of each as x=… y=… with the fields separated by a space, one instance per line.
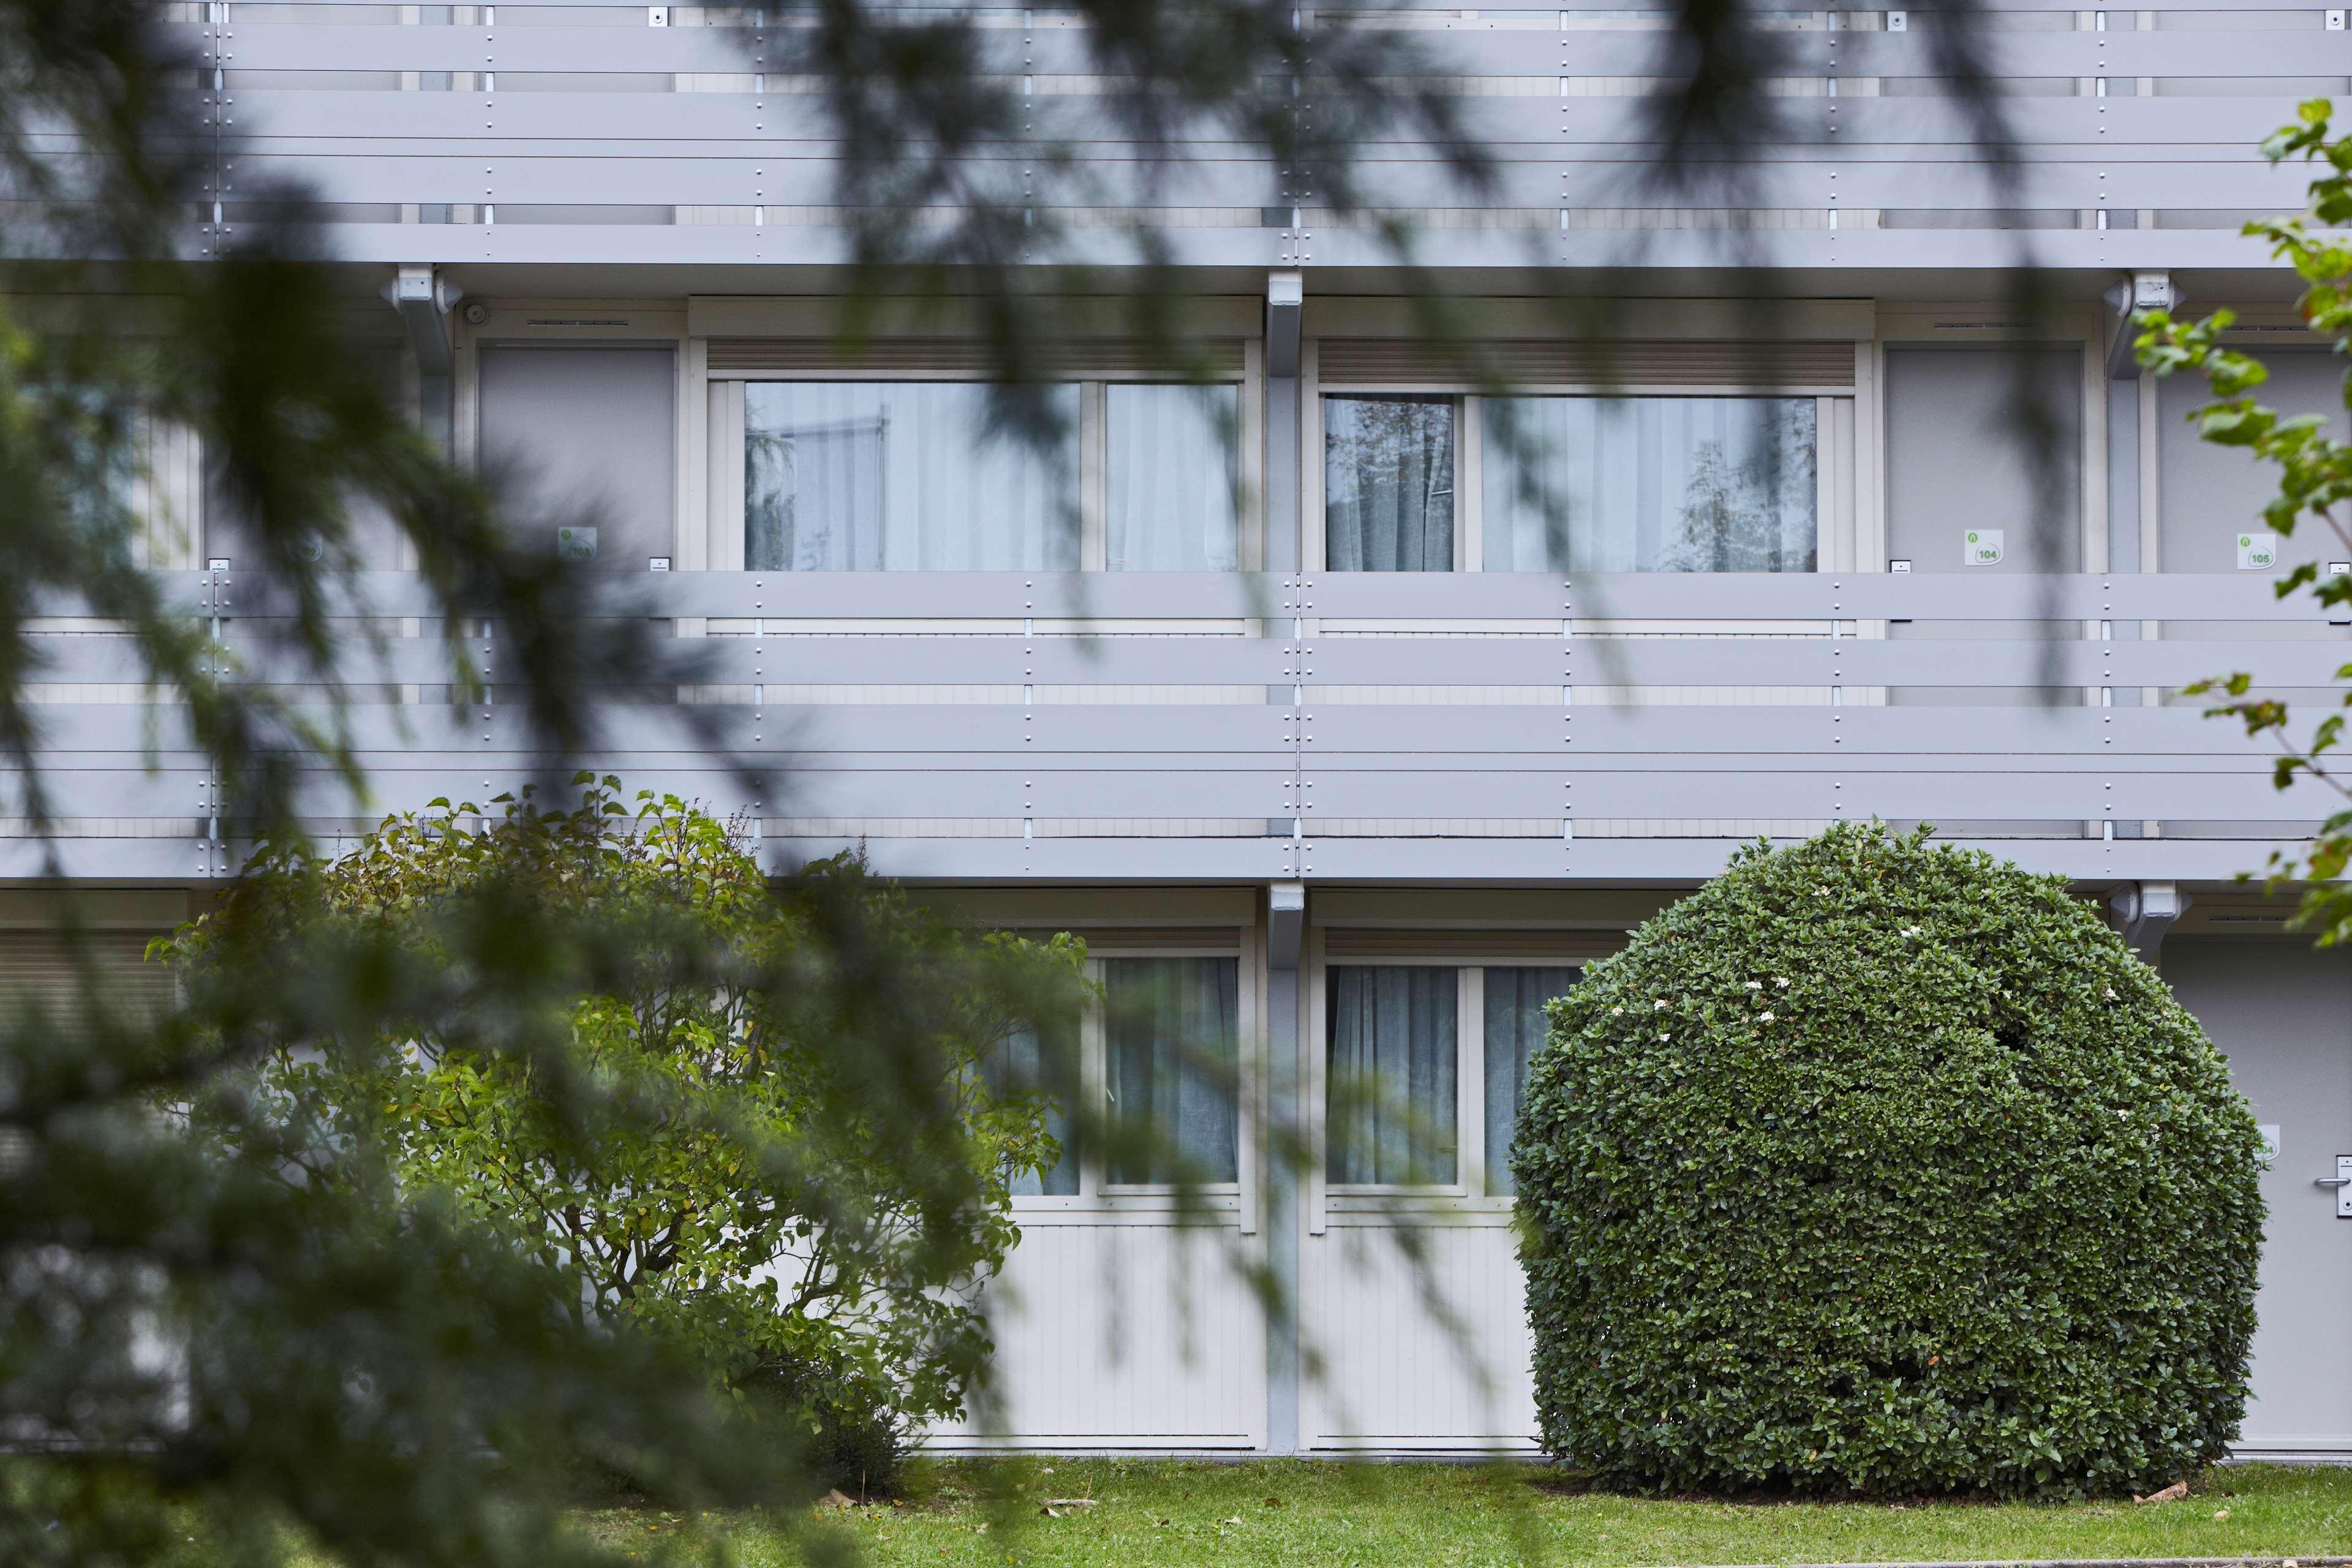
x=1119 y=1334
x=1396 y=1374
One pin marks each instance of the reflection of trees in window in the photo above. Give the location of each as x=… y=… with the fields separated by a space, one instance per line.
x=1651 y=484
x=802 y=489
x=1737 y=513
x=1387 y=484
x=902 y=476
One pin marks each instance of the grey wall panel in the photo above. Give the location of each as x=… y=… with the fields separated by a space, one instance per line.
x=2210 y=493
x=2282 y=1013
x=1984 y=437
x=1977 y=439
x=593 y=430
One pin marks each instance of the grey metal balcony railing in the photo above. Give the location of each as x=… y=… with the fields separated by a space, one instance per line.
x=1218 y=744
x=661 y=141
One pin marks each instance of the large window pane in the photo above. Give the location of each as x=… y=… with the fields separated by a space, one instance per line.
x=1021 y=1063
x=1649 y=484
x=1171 y=472
x=1392 y=1078
x=1171 y=1028
x=901 y=477
x=1387 y=484
x=1515 y=1027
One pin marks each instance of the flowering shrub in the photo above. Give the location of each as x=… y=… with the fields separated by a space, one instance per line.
x=1876 y=1167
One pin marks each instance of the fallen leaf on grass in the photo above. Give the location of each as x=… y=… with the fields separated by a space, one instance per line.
x=2222 y=1513
x=2172 y=1493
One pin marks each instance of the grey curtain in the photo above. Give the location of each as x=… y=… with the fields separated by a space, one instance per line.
x=1516 y=1028
x=901 y=477
x=1651 y=484
x=1169 y=467
x=1392 y=1085
x=1171 y=1032
x=1387 y=484
x=1020 y=1063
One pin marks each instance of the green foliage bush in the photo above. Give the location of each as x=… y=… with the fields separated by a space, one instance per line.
x=1884 y=1168
x=761 y=1127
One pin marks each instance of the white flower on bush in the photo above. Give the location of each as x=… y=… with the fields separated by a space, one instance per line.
x=1659 y=1005
x=1756 y=985
x=1765 y=1016
x=1616 y=1012
x=1781 y=981
x=1910 y=931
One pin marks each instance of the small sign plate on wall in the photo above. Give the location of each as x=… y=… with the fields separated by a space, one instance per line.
x=2270 y=1131
x=1981 y=547
x=575 y=544
x=2257 y=551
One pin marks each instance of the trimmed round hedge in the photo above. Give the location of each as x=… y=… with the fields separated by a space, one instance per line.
x=1875 y=1167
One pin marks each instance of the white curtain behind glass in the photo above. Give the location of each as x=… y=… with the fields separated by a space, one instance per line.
x=1516 y=1029
x=1651 y=484
x=900 y=476
x=1171 y=475
x=1019 y=1064
x=1392 y=1084
x=1171 y=1032
x=1387 y=484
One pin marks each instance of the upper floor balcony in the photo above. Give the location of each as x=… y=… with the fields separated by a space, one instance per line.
x=1223 y=727
x=697 y=139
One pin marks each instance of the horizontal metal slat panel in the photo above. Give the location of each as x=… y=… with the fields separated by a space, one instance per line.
x=1799 y=794
x=1496 y=53
x=680 y=177
x=1116 y=861
x=694 y=121
x=1401 y=361
x=267 y=46
x=1212 y=598
x=80 y=786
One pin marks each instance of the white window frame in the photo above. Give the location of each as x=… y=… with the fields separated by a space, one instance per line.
x=1466 y=1198
x=718 y=457
x=1833 y=547
x=1099 y=1197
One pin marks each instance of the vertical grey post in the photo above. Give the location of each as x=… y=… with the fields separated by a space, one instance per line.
x=422 y=297
x=2126 y=384
x=1285 y=925
x=1285 y=901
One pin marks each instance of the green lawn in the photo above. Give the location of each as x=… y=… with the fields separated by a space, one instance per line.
x=1165 y=1513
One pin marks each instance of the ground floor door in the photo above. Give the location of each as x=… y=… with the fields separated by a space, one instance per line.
x=2281 y=1012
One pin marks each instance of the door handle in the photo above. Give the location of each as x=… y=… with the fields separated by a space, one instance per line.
x=2332 y=1181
